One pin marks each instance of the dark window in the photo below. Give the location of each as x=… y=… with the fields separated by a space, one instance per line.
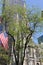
x=37 y=63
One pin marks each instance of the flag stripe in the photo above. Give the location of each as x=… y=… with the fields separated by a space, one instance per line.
x=4 y=40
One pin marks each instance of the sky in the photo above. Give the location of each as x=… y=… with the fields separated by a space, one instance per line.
x=37 y=32
x=35 y=3
x=35 y=36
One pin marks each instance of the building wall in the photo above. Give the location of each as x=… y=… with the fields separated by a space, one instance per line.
x=32 y=57
x=15 y=2
x=0 y=7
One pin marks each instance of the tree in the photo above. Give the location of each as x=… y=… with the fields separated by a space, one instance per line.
x=17 y=19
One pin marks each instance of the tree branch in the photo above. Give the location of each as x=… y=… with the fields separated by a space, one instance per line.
x=28 y=39
x=13 y=46
x=11 y=37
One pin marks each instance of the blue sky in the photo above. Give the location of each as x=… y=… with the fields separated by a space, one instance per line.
x=35 y=3
x=35 y=36
x=37 y=32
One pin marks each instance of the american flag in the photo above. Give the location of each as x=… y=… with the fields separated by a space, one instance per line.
x=4 y=39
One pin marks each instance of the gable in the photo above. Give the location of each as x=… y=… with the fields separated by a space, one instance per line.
x=40 y=39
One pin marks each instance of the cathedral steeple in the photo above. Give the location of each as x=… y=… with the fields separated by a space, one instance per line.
x=15 y=2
